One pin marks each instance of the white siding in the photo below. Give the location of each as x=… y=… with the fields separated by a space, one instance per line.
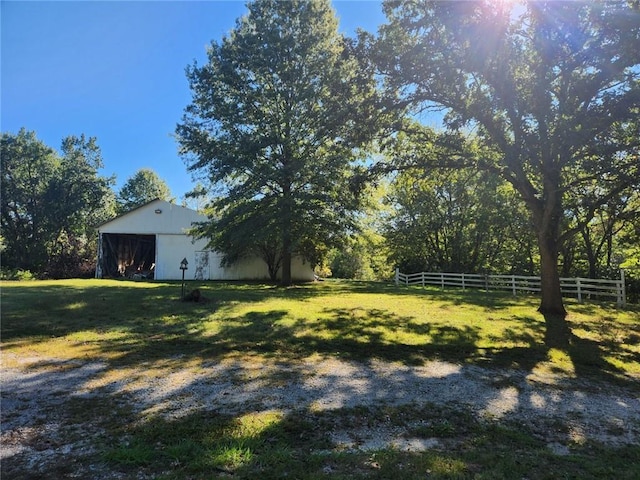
x=171 y=249
x=255 y=269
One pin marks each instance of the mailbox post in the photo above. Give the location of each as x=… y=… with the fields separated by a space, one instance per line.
x=183 y=267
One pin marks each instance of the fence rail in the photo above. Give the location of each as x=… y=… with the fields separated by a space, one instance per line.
x=577 y=287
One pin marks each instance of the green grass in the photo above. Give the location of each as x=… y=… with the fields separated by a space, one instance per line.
x=127 y=322
x=272 y=446
x=132 y=326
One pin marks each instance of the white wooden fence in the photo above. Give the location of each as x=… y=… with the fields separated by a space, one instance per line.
x=578 y=287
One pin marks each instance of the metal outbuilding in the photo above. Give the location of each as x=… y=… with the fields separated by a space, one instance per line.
x=150 y=242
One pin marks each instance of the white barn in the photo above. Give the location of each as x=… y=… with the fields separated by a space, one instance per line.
x=150 y=242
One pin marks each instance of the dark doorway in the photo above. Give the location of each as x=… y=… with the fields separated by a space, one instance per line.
x=127 y=255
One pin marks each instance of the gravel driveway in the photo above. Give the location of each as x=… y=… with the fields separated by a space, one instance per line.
x=37 y=431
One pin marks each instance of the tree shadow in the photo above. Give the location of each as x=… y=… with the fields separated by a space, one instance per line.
x=589 y=359
x=151 y=328
x=355 y=334
x=492 y=299
x=284 y=420
x=197 y=421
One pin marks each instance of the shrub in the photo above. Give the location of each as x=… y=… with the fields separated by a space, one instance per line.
x=632 y=281
x=16 y=274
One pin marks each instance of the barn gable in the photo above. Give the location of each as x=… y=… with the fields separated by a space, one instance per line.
x=155 y=217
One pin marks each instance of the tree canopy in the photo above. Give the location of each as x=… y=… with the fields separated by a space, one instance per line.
x=51 y=202
x=552 y=90
x=274 y=124
x=144 y=186
x=457 y=220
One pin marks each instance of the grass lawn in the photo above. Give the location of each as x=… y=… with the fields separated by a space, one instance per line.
x=129 y=326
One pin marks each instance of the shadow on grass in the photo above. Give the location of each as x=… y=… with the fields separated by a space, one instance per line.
x=157 y=332
x=208 y=444
x=298 y=445
x=589 y=359
x=49 y=309
x=350 y=334
x=152 y=324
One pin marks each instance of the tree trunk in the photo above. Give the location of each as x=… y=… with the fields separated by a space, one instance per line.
x=286 y=236
x=272 y=256
x=591 y=255
x=286 y=259
x=557 y=333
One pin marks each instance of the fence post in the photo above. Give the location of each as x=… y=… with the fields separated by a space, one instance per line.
x=422 y=279
x=397 y=276
x=463 y=282
x=579 y=290
x=623 y=289
x=486 y=282
x=513 y=284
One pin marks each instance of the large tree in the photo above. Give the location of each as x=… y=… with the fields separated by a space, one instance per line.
x=28 y=165
x=273 y=124
x=51 y=202
x=552 y=87
x=144 y=186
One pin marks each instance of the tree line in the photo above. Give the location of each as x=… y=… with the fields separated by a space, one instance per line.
x=52 y=202
x=296 y=127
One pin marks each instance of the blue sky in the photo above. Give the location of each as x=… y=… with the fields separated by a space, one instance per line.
x=115 y=70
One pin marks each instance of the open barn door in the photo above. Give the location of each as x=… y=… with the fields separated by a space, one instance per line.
x=126 y=255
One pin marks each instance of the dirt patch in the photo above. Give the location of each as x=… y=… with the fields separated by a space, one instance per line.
x=55 y=413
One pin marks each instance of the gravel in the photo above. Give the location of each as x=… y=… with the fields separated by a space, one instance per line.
x=37 y=430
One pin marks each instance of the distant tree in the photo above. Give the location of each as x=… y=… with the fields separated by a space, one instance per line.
x=51 y=203
x=453 y=220
x=361 y=257
x=28 y=166
x=197 y=199
x=364 y=256
x=629 y=244
x=274 y=122
x=552 y=88
x=144 y=186
x=596 y=251
x=79 y=200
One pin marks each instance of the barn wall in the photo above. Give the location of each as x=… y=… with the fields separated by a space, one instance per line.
x=171 y=249
x=254 y=269
x=301 y=270
x=248 y=268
